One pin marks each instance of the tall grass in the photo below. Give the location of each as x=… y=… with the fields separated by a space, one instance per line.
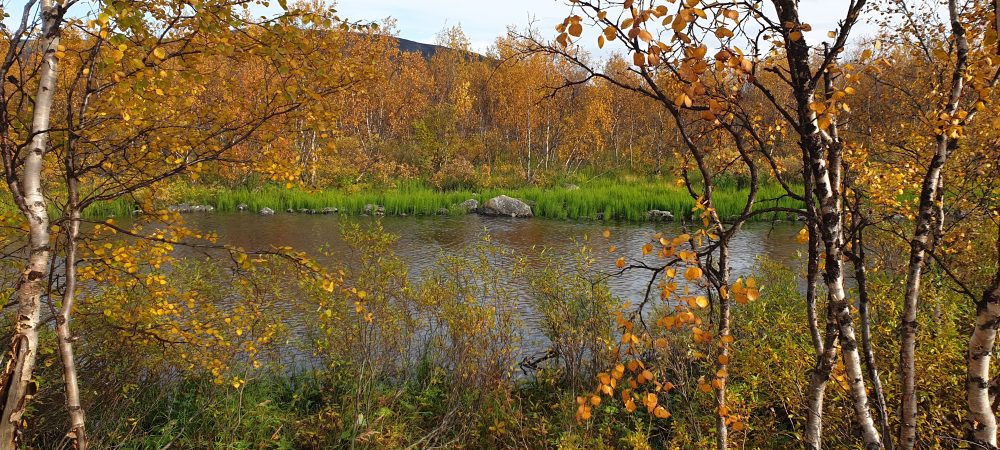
x=615 y=200
x=113 y=208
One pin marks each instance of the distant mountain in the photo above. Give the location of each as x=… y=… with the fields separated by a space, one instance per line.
x=427 y=50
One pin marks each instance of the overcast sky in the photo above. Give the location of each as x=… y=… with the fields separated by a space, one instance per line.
x=484 y=20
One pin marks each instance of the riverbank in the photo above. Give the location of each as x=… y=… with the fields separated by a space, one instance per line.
x=605 y=199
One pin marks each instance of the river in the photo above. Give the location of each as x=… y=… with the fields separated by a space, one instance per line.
x=423 y=239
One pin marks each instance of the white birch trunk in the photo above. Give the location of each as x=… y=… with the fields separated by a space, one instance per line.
x=16 y=382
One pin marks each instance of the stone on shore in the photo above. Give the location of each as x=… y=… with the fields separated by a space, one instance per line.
x=656 y=215
x=506 y=206
x=470 y=206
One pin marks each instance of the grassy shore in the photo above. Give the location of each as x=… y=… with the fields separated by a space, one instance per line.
x=614 y=200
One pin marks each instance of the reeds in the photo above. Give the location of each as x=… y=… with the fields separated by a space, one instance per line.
x=628 y=201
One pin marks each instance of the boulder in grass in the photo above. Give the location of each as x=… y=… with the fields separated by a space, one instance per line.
x=470 y=206
x=265 y=211
x=329 y=210
x=506 y=206
x=656 y=215
x=242 y=207
x=443 y=212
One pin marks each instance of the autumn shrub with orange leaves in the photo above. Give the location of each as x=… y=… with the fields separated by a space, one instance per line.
x=669 y=358
x=457 y=173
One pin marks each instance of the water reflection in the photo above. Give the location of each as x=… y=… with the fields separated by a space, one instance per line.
x=423 y=239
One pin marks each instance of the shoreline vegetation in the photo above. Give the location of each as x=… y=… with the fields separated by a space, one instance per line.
x=613 y=200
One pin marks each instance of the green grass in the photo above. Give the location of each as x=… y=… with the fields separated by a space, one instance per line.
x=114 y=208
x=616 y=200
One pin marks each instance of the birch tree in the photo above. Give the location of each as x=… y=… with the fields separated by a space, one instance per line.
x=23 y=169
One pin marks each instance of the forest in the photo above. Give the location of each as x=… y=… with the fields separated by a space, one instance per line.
x=652 y=224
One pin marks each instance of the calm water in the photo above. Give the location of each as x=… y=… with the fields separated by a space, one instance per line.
x=423 y=239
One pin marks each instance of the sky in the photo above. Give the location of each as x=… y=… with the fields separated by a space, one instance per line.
x=482 y=21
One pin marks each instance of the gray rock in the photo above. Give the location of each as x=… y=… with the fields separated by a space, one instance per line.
x=506 y=206
x=470 y=206
x=443 y=212
x=600 y=216
x=290 y=210
x=572 y=187
x=328 y=210
x=369 y=208
x=185 y=208
x=307 y=211
x=656 y=215
x=242 y=207
x=380 y=210
x=265 y=211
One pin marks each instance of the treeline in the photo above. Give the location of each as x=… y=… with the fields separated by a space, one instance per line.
x=455 y=119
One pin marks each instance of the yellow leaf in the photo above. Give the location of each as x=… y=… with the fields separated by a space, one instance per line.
x=638 y=59
x=160 y=53
x=692 y=273
x=576 y=29
x=620 y=262
x=803 y=236
x=650 y=401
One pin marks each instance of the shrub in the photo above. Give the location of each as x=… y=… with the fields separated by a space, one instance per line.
x=456 y=173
